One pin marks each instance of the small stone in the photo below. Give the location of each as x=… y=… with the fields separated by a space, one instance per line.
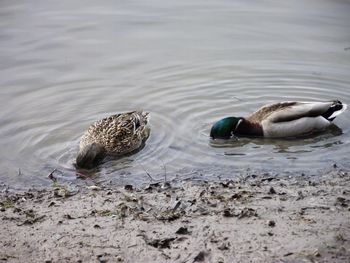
x=312 y=183
x=224 y=246
x=129 y=187
x=94 y=188
x=316 y=253
x=236 y=196
x=247 y=212
x=283 y=198
x=342 y=201
x=227 y=213
x=271 y=223
x=160 y=243
x=300 y=195
x=182 y=231
x=200 y=257
x=68 y=216
x=340 y=237
x=272 y=191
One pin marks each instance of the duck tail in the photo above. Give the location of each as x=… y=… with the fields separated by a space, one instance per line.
x=145 y=116
x=334 y=110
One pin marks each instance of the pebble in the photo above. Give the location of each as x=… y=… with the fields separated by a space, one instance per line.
x=271 y=223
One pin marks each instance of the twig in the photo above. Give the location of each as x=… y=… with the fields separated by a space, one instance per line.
x=234 y=97
x=176 y=206
x=81 y=175
x=143 y=168
x=52 y=177
x=132 y=246
x=165 y=180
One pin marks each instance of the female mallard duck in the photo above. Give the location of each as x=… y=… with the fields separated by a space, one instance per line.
x=115 y=135
x=284 y=119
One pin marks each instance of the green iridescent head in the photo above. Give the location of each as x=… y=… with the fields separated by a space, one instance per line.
x=224 y=128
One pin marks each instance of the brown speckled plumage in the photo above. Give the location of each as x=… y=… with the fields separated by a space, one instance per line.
x=264 y=112
x=118 y=134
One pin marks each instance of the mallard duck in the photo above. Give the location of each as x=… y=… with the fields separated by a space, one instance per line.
x=116 y=135
x=284 y=119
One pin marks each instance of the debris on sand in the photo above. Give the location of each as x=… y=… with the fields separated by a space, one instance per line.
x=272 y=191
x=182 y=231
x=341 y=201
x=228 y=212
x=271 y=223
x=247 y=212
x=233 y=221
x=200 y=256
x=52 y=177
x=169 y=215
x=31 y=221
x=159 y=243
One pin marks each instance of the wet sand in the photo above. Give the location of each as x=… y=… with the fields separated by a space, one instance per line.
x=256 y=218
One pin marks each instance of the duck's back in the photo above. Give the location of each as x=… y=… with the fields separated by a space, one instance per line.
x=119 y=133
x=264 y=112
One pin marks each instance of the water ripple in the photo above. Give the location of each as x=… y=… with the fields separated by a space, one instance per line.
x=187 y=63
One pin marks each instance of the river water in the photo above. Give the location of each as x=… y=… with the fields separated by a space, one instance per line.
x=65 y=64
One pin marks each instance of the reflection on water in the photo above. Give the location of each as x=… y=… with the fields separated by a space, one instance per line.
x=188 y=63
x=302 y=144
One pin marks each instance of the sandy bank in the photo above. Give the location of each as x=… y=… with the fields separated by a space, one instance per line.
x=253 y=219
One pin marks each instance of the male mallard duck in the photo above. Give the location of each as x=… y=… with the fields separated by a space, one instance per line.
x=115 y=135
x=284 y=119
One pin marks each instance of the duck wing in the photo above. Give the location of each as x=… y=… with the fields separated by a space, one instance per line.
x=327 y=110
x=266 y=111
x=289 y=111
x=127 y=124
x=117 y=133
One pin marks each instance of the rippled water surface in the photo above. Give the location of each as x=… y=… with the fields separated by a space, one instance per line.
x=65 y=64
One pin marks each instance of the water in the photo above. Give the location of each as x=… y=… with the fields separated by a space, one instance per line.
x=65 y=64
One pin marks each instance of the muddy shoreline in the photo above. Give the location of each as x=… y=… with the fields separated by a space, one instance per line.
x=258 y=218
